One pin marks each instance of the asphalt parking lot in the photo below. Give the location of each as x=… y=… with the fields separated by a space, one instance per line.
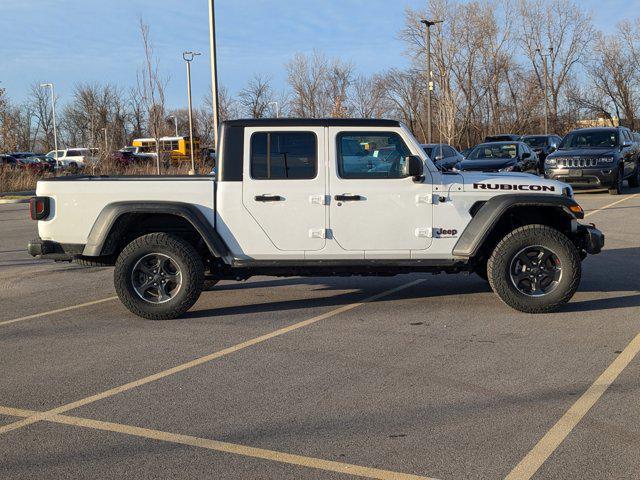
x=415 y=376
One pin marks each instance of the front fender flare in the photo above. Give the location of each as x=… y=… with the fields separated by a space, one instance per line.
x=490 y=213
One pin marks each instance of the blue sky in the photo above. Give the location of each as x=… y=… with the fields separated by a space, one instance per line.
x=70 y=41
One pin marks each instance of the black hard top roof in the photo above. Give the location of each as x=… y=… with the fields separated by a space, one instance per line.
x=311 y=122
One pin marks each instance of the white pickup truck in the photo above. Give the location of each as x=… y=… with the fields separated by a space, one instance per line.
x=317 y=198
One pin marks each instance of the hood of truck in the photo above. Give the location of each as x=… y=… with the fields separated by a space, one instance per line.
x=510 y=183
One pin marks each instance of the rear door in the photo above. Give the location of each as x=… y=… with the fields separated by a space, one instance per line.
x=375 y=207
x=284 y=186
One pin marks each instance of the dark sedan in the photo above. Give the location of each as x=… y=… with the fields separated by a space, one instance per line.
x=500 y=157
x=543 y=145
x=443 y=155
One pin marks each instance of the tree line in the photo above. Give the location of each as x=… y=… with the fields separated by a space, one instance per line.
x=488 y=74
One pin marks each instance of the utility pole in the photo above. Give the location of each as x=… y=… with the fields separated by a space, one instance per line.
x=546 y=88
x=214 y=71
x=277 y=108
x=175 y=123
x=53 y=112
x=429 y=24
x=188 y=58
x=106 y=143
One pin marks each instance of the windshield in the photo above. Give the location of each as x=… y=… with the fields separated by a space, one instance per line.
x=535 y=141
x=590 y=139
x=497 y=151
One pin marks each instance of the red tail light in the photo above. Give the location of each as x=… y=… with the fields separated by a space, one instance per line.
x=39 y=208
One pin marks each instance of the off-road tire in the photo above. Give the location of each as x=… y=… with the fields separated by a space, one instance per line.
x=618 y=183
x=185 y=257
x=499 y=267
x=634 y=180
x=93 y=261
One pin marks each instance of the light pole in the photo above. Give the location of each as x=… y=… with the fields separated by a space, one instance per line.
x=546 y=87
x=277 y=108
x=188 y=58
x=429 y=24
x=106 y=142
x=53 y=112
x=175 y=123
x=214 y=70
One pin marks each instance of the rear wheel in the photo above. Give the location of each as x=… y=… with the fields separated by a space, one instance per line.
x=535 y=269
x=159 y=276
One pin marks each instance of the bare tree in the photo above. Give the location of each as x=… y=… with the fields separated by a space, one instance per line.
x=39 y=102
x=369 y=98
x=151 y=87
x=256 y=96
x=566 y=28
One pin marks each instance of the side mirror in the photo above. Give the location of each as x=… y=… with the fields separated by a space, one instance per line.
x=415 y=167
x=553 y=147
x=626 y=144
x=526 y=155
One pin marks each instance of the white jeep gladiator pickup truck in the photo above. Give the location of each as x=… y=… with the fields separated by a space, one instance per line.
x=296 y=197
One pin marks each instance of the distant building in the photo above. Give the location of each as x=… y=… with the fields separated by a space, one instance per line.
x=598 y=122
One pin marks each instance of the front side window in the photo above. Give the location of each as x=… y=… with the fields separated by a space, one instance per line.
x=284 y=155
x=372 y=155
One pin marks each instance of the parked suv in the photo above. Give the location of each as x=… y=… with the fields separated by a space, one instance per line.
x=500 y=157
x=543 y=145
x=596 y=158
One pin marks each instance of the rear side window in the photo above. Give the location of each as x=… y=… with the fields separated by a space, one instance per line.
x=372 y=155
x=284 y=155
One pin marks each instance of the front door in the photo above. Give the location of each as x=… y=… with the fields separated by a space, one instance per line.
x=285 y=185
x=375 y=206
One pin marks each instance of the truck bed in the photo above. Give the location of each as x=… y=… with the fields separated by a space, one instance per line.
x=82 y=198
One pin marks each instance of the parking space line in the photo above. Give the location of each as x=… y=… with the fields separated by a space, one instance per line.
x=59 y=310
x=224 y=447
x=530 y=464
x=611 y=205
x=199 y=361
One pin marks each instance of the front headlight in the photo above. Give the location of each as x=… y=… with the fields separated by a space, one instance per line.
x=551 y=162
x=605 y=160
x=507 y=169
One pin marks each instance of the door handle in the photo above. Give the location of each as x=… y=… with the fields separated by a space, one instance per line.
x=348 y=198
x=268 y=198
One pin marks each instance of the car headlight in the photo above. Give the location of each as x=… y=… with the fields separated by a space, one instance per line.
x=551 y=162
x=605 y=160
x=510 y=168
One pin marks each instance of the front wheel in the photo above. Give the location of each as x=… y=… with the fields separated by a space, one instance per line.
x=159 y=276
x=618 y=183
x=535 y=269
x=634 y=180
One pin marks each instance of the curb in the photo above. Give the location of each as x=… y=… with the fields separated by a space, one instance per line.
x=15 y=200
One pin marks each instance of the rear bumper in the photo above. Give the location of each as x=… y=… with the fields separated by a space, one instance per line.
x=591 y=239
x=48 y=249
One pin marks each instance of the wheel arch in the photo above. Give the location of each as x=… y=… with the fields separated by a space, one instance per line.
x=503 y=213
x=126 y=220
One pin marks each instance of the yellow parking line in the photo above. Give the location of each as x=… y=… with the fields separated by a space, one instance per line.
x=563 y=427
x=224 y=447
x=199 y=361
x=611 y=205
x=59 y=310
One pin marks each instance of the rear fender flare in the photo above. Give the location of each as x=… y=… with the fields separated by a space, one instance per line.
x=97 y=242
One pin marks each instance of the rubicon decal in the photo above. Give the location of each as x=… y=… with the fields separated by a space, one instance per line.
x=521 y=188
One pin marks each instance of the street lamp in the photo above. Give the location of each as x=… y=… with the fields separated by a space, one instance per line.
x=53 y=111
x=277 y=108
x=429 y=24
x=546 y=84
x=175 y=122
x=214 y=70
x=188 y=58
